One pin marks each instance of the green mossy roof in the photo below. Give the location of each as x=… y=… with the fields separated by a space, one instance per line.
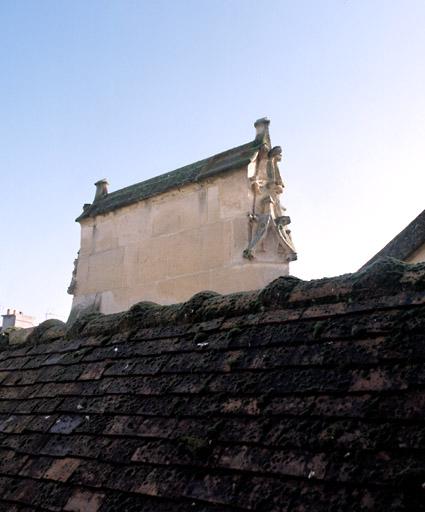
x=231 y=159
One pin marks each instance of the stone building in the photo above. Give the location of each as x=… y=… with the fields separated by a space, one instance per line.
x=216 y=224
x=14 y=318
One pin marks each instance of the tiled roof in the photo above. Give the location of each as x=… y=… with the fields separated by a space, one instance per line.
x=234 y=158
x=305 y=396
x=406 y=242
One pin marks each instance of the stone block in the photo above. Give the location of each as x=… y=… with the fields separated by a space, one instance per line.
x=82 y=274
x=213 y=203
x=234 y=195
x=215 y=245
x=152 y=260
x=240 y=238
x=106 y=270
x=184 y=253
x=87 y=240
x=181 y=212
x=105 y=236
x=171 y=290
x=133 y=224
x=130 y=264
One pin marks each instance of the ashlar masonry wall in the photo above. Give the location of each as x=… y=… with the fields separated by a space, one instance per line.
x=167 y=248
x=210 y=234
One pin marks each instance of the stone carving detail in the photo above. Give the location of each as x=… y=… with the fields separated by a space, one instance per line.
x=267 y=212
x=73 y=284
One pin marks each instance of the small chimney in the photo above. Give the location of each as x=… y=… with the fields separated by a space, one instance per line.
x=101 y=189
x=262 y=130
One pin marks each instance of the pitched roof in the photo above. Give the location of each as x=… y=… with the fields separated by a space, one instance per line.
x=302 y=396
x=231 y=159
x=406 y=242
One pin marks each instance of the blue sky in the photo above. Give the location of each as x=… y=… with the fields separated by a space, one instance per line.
x=130 y=89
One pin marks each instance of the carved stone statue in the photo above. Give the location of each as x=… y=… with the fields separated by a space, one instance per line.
x=267 y=212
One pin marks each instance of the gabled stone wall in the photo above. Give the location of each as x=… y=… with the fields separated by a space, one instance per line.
x=220 y=230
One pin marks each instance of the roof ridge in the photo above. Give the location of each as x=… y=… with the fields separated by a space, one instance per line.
x=181 y=176
x=384 y=278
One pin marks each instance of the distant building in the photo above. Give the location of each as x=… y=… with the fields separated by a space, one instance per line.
x=14 y=318
x=216 y=224
x=408 y=245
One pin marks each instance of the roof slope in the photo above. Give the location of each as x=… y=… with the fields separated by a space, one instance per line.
x=305 y=396
x=231 y=159
x=406 y=242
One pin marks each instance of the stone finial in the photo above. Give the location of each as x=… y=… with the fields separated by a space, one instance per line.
x=101 y=189
x=262 y=129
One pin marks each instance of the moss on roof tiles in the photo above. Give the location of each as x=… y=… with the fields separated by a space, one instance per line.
x=231 y=159
x=306 y=392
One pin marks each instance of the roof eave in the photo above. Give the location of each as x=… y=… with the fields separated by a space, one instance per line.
x=98 y=209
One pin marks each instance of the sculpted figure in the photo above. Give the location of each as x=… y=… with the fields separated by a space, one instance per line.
x=273 y=174
x=268 y=213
